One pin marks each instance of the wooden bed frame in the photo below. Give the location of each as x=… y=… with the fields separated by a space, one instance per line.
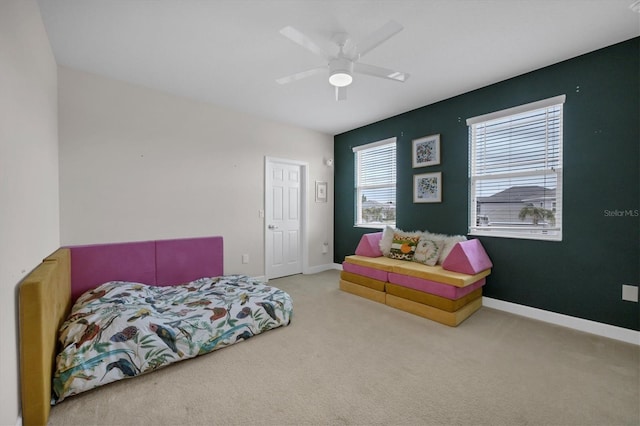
x=47 y=293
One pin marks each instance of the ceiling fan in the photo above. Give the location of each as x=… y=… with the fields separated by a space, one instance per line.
x=343 y=65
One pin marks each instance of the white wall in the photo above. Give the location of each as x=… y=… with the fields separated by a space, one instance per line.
x=138 y=164
x=29 y=209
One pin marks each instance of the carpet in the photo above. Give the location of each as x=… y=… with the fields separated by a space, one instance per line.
x=348 y=360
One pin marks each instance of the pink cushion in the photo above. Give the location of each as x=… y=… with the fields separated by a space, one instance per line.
x=467 y=257
x=433 y=287
x=376 y=274
x=369 y=245
x=187 y=259
x=92 y=265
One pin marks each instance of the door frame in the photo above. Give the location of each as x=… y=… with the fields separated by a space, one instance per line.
x=304 y=173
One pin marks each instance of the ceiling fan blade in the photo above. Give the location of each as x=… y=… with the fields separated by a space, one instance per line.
x=300 y=75
x=380 y=72
x=304 y=41
x=341 y=93
x=376 y=38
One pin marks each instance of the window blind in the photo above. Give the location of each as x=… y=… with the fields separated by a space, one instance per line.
x=375 y=191
x=515 y=172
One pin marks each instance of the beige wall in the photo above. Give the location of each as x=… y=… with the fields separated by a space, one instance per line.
x=132 y=164
x=29 y=209
x=138 y=164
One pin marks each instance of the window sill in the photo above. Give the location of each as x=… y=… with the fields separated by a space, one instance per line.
x=374 y=225
x=502 y=234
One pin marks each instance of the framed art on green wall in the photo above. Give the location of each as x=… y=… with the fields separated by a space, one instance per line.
x=426 y=151
x=427 y=188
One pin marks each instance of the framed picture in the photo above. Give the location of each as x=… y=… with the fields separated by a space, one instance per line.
x=426 y=151
x=427 y=188
x=321 y=192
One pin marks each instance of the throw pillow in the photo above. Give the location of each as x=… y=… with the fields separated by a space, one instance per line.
x=403 y=246
x=386 y=240
x=428 y=251
x=449 y=242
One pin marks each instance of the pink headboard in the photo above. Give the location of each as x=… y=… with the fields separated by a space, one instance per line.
x=180 y=261
x=162 y=262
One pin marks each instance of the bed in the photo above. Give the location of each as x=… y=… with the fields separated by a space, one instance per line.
x=137 y=307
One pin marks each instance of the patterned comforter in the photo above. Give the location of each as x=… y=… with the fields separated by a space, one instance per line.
x=121 y=329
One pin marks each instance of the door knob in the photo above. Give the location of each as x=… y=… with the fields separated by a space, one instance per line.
x=272 y=227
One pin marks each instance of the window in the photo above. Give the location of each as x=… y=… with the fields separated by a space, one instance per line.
x=375 y=191
x=515 y=172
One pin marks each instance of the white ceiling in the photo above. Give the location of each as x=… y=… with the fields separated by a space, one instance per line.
x=230 y=52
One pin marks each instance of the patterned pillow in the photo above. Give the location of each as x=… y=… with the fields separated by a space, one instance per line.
x=449 y=242
x=403 y=246
x=428 y=251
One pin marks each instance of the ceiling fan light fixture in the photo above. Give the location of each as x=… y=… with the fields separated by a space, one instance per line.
x=340 y=78
x=340 y=72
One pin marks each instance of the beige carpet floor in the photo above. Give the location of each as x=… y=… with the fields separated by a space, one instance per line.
x=348 y=360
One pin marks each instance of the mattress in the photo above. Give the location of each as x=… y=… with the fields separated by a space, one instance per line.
x=362 y=291
x=438 y=274
x=439 y=302
x=382 y=263
x=121 y=330
x=439 y=289
x=376 y=274
x=363 y=280
x=452 y=319
x=433 y=273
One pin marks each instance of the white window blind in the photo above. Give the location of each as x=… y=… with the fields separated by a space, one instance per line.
x=515 y=172
x=375 y=191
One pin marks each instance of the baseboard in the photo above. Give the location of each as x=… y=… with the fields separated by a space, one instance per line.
x=310 y=270
x=587 y=326
x=19 y=421
x=319 y=268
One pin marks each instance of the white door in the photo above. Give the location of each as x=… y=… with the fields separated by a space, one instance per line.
x=283 y=252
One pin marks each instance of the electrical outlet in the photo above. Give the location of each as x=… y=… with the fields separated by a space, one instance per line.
x=245 y=258
x=630 y=293
x=325 y=248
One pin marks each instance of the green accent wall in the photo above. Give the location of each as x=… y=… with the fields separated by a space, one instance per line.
x=580 y=276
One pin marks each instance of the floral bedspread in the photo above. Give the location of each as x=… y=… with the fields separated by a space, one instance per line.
x=122 y=329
